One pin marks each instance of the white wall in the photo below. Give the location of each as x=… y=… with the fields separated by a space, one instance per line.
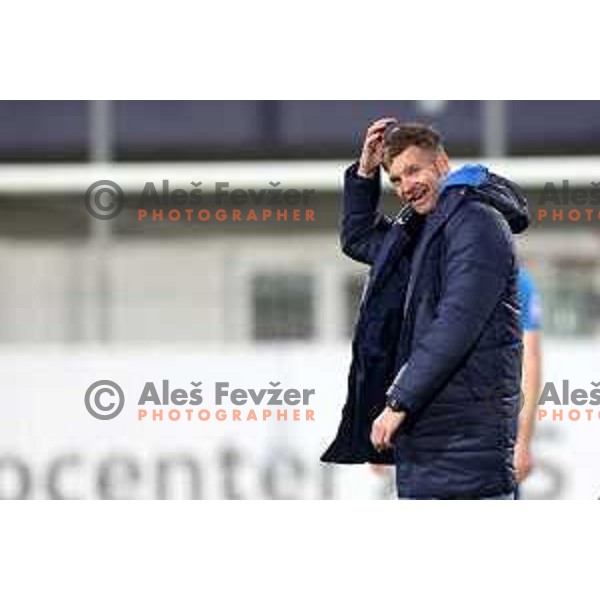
x=48 y=440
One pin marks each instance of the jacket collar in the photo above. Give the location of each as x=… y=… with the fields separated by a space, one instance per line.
x=451 y=192
x=470 y=175
x=450 y=200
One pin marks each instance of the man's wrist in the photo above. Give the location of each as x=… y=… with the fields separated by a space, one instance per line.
x=524 y=431
x=394 y=404
x=366 y=174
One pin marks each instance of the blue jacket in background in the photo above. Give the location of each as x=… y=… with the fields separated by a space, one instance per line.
x=438 y=330
x=530 y=302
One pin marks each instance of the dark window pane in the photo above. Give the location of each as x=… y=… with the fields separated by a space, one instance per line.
x=284 y=307
x=570 y=300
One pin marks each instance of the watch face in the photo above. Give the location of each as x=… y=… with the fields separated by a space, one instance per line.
x=393 y=406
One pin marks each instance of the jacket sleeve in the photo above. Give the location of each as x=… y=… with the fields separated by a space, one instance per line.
x=479 y=261
x=363 y=225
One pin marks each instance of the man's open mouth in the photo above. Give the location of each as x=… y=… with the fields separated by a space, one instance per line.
x=417 y=195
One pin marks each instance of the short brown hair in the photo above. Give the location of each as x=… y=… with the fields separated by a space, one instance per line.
x=400 y=136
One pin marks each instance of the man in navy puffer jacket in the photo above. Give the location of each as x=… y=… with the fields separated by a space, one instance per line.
x=434 y=384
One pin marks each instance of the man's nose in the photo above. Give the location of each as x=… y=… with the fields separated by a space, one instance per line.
x=407 y=189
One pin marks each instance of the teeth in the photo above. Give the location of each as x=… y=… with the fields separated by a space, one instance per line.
x=417 y=196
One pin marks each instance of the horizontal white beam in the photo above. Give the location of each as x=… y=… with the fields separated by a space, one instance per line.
x=321 y=174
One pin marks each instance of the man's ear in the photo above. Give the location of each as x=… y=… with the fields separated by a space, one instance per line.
x=442 y=162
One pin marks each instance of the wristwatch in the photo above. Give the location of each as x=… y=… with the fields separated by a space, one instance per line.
x=394 y=404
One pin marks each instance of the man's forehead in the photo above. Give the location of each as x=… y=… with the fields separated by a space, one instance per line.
x=410 y=156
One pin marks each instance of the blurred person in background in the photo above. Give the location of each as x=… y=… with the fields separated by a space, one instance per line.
x=532 y=357
x=435 y=377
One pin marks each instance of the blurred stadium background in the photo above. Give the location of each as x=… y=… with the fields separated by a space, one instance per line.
x=83 y=299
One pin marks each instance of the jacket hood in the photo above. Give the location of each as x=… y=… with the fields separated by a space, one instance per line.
x=504 y=195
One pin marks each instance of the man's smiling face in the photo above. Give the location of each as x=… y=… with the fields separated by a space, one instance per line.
x=416 y=175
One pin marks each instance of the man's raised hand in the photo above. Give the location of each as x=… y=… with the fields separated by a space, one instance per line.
x=372 y=151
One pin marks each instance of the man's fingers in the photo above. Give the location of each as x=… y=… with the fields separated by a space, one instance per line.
x=381 y=437
x=376 y=436
x=387 y=440
x=374 y=137
x=376 y=131
x=523 y=464
x=380 y=125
